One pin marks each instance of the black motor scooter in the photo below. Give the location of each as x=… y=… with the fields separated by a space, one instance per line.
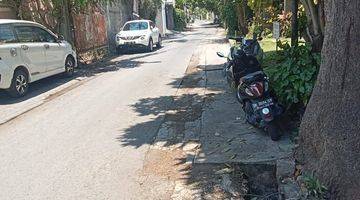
x=250 y=46
x=244 y=74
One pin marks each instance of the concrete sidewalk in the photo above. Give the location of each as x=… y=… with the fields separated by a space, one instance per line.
x=225 y=135
x=208 y=125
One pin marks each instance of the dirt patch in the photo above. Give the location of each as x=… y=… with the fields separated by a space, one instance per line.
x=162 y=168
x=218 y=181
x=165 y=163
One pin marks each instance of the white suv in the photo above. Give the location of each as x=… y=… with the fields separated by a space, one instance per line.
x=29 y=52
x=138 y=33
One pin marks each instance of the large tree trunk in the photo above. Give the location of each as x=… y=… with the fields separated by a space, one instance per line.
x=330 y=131
x=242 y=23
x=316 y=23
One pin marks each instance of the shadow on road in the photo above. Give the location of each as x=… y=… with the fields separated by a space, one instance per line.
x=37 y=88
x=110 y=64
x=177 y=121
x=170 y=120
x=128 y=60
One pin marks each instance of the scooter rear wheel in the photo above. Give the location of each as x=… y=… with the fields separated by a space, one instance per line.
x=274 y=131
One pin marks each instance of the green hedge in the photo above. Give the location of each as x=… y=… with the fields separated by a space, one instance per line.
x=293 y=78
x=179 y=19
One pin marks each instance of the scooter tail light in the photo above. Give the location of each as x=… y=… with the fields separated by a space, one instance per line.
x=249 y=92
x=257 y=89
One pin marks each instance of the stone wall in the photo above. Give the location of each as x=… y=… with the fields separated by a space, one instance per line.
x=90 y=29
x=117 y=14
x=6 y=13
x=170 y=16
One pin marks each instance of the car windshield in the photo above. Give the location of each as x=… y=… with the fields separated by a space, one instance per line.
x=136 y=26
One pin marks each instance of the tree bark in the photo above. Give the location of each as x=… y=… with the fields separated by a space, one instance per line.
x=316 y=22
x=242 y=23
x=294 y=23
x=330 y=131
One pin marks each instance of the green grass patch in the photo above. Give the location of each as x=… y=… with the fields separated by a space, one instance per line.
x=269 y=44
x=271 y=56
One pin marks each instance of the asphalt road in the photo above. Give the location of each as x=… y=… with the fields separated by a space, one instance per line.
x=90 y=142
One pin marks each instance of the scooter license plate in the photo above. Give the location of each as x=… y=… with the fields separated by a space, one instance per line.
x=263 y=104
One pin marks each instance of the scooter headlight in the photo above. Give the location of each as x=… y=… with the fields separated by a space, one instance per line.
x=265 y=111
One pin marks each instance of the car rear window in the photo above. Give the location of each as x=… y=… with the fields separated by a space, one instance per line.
x=136 y=26
x=6 y=34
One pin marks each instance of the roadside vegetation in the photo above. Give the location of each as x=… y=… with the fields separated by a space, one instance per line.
x=180 y=19
x=293 y=72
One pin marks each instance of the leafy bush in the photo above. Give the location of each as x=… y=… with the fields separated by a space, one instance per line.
x=179 y=19
x=149 y=8
x=294 y=77
x=230 y=17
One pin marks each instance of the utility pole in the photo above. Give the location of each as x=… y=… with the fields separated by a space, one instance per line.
x=294 y=23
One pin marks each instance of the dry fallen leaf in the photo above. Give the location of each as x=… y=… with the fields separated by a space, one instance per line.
x=225 y=171
x=229 y=140
x=211 y=152
x=250 y=156
x=227 y=150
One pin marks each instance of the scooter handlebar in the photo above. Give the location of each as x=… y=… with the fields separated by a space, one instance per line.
x=237 y=39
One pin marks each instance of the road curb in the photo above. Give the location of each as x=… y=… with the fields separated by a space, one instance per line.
x=42 y=99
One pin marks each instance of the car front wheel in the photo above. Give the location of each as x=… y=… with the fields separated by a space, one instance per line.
x=150 y=46
x=20 y=84
x=158 y=45
x=69 y=67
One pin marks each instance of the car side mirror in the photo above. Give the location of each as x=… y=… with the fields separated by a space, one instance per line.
x=221 y=55
x=60 y=38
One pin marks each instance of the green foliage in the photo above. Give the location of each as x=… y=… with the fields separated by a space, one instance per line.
x=294 y=77
x=314 y=187
x=180 y=3
x=285 y=24
x=209 y=5
x=148 y=8
x=179 y=19
x=229 y=16
x=265 y=12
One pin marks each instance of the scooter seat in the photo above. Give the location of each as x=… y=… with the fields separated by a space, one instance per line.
x=251 y=76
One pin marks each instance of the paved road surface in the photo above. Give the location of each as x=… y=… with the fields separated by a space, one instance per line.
x=90 y=142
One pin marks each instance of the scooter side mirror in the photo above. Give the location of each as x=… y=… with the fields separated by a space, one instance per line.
x=260 y=38
x=221 y=55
